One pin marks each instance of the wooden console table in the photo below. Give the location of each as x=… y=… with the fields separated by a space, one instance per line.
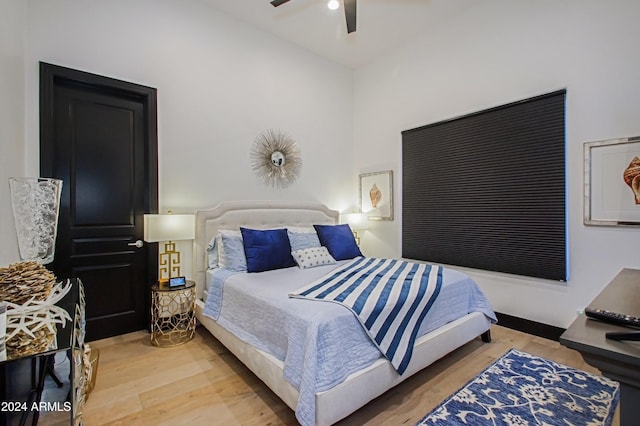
x=618 y=360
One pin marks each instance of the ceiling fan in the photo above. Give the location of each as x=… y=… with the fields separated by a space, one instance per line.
x=349 y=12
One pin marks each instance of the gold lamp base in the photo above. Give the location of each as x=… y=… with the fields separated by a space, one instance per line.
x=355 y=236
x=169 y=262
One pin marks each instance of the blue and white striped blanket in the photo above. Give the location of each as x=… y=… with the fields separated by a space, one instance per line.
x=390 y=298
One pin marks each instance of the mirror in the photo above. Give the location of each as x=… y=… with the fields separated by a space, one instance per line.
x=278 y=159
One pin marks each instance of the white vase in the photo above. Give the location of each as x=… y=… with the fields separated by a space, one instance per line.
x=36 y=203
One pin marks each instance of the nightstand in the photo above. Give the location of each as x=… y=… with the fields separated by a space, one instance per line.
x=173 y=318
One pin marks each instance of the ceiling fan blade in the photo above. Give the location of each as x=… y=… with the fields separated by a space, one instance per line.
x=350 y=15
x=276 y=3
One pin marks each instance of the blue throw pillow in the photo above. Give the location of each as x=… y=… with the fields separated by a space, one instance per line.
x=266 y=249
x=339 y=240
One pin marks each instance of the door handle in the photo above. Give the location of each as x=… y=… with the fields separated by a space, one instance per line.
x=137 y=244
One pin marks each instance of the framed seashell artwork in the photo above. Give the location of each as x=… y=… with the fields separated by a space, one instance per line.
x=612 y=182
x=376 y=195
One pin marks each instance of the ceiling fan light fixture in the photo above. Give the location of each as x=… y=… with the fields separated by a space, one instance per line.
x=350 y=7
x=333 y=4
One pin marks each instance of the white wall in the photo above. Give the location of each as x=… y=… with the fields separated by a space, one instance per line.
x=13 y=15
x=498 y=52
x=220 y=82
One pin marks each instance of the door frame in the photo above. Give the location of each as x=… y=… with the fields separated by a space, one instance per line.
x=52 y=75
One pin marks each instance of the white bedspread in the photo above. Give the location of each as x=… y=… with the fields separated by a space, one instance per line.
x=320 y=344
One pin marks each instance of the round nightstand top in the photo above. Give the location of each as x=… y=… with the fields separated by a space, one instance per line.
x=165 y=286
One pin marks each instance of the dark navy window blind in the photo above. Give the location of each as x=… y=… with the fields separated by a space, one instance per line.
x=487 y=190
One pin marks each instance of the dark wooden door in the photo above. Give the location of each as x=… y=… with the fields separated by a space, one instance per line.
x=99 y=136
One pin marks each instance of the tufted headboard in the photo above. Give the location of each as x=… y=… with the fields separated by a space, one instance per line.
x=252 y=214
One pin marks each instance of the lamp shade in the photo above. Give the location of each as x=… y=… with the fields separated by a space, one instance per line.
x=169 y=227
x=357 y=221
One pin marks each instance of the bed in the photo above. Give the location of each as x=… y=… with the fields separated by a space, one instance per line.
x=336 y=398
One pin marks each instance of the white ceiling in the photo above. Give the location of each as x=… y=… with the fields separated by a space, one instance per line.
x=382 y=25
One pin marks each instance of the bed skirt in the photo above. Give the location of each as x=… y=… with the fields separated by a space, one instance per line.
x=362 y=386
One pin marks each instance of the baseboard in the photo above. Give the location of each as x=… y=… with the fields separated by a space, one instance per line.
x=531 y=327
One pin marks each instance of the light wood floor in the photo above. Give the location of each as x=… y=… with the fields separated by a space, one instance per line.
x=201 y=383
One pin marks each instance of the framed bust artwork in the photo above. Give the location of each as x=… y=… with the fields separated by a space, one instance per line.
x=376 y=195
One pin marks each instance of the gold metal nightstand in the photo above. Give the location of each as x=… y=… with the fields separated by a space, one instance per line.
x=173 y=318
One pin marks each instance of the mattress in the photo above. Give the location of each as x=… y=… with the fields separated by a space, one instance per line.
x=320 y=344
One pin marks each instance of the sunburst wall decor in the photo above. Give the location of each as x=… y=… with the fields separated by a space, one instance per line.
x=275 y=158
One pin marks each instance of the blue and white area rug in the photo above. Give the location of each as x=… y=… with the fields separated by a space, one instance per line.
x=522 y=389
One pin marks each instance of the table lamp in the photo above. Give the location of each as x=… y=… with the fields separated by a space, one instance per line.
x=357 y=221
x=169 y=228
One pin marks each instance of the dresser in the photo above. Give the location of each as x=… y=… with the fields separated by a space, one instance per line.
x=618 y=360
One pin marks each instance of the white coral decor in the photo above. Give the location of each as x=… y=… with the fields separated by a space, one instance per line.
x=35 y=314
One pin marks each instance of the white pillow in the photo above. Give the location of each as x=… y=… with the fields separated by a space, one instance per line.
x=312 y=257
